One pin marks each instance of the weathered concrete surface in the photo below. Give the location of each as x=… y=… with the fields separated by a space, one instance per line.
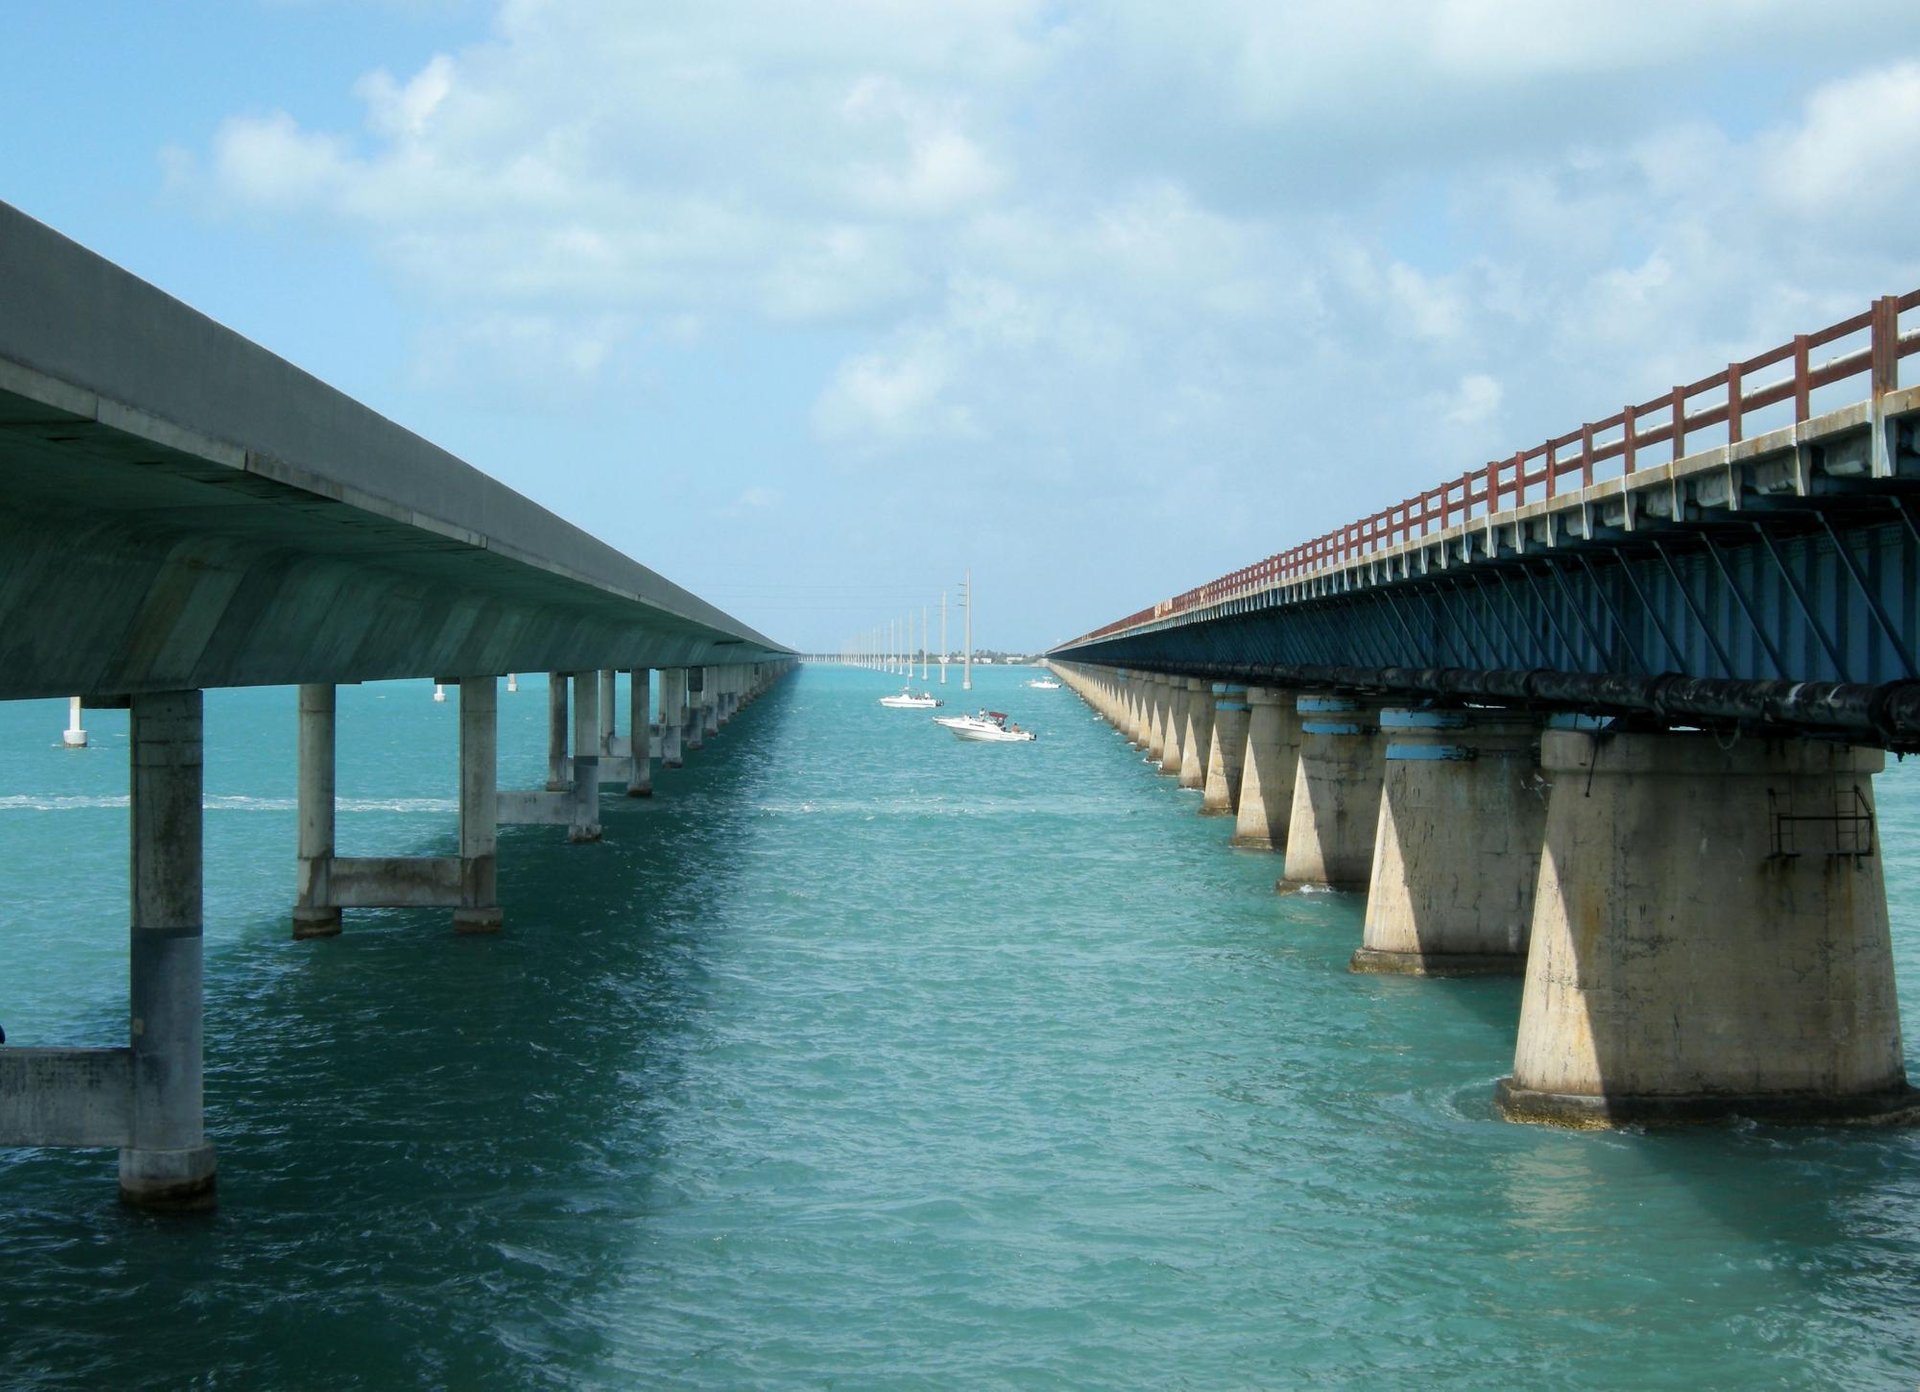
x=206 y=514
x=1175 y=731
x=1267 y=770
x=1196 y=739
x=1227 y=751
x=1680 y=966
x=1336 y=794
x=1463 y=809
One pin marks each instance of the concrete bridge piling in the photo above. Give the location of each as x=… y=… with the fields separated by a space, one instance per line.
x=1727 y=893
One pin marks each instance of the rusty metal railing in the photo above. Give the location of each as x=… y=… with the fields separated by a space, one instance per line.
x=1502 y=484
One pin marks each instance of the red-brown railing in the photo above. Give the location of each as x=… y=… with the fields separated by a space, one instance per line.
x=1668 y=420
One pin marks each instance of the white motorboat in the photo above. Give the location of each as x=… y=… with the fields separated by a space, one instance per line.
x=1044 y=684
x=906 y=700
x=988 y=727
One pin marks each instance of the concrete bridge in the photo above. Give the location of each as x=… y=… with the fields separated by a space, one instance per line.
x=1606 y=713
x=179 y=510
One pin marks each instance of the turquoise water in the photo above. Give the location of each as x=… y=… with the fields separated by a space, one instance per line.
x=859 y=1057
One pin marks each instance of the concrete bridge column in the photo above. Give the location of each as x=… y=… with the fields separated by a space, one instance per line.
x=1229 y=748
x=1173 y=737
x=609 y=706
x=314 y=913
x=166 y=1161
x=1336 y=794
x=559 y=774
x=1267 y=769
x=479 y=908
x=673 y=714
x=1462 y=812
x=1154 y=714
x=1139 y=728
x=640 y=733
x=710 y=698
x=585 y=824
x=697 y=696
x=1709 y=936
x=1196 y=741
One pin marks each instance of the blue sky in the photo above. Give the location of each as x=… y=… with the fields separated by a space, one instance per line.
x=812 y=306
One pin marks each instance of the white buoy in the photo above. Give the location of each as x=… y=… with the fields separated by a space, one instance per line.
x=75 y=737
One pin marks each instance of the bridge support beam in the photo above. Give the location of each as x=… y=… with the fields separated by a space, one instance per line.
x=1174 y=733
x=697 y=697
x=1336 y=794
x=146 y=1098
x=1709 y=937
x=466 y=883
x=640 y=733
x=1228 y=751
x=575 y=802
x=1267 y=770
x=1462 y=813
x=673 y=714
x=1196 y=738
x=166 y=1161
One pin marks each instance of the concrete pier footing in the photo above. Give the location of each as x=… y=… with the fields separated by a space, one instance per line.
x=1267 y=769
x=1336 y=794
x=1462 y=812
x=1709 y=937
x=1196 y=740
x=1227 y=752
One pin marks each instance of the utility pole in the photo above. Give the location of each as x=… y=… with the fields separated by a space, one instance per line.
x=966 y=680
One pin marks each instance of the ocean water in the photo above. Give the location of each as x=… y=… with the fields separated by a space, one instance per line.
x=859 y=1057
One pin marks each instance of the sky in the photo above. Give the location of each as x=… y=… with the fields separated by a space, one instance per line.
x=815 y=307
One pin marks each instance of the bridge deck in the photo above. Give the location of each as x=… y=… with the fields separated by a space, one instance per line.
x=184 y=509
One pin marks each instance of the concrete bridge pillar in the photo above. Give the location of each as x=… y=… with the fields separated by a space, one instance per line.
x=314 y=915
x=1196 y=741
x=559 y=775
x=166 y=1161
x=609 y=705
x=327 y=882
x=673 y=714
x=1267 y=769
x=640 y=736
x=1462 y=813
x=710 y=700
x=1155 y=710
x=1228 y=752
x=697 y=696
x=1174 y=734
x=1709 y=936
x=479 y=907
x=1336 y=793
x=585 y=825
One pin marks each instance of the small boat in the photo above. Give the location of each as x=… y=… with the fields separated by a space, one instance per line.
x=988 y=727
x=1044 y=684
x=906 y=700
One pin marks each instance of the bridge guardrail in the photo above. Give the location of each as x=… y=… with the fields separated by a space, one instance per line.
x=1503 y=484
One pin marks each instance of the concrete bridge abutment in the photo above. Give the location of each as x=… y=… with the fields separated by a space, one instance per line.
x=1457 y=852
x=1709 y=937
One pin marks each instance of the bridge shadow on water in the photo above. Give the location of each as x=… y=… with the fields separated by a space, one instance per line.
x=431 y=1147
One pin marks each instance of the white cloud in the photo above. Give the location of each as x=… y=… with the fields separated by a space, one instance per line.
x=1119 y=241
